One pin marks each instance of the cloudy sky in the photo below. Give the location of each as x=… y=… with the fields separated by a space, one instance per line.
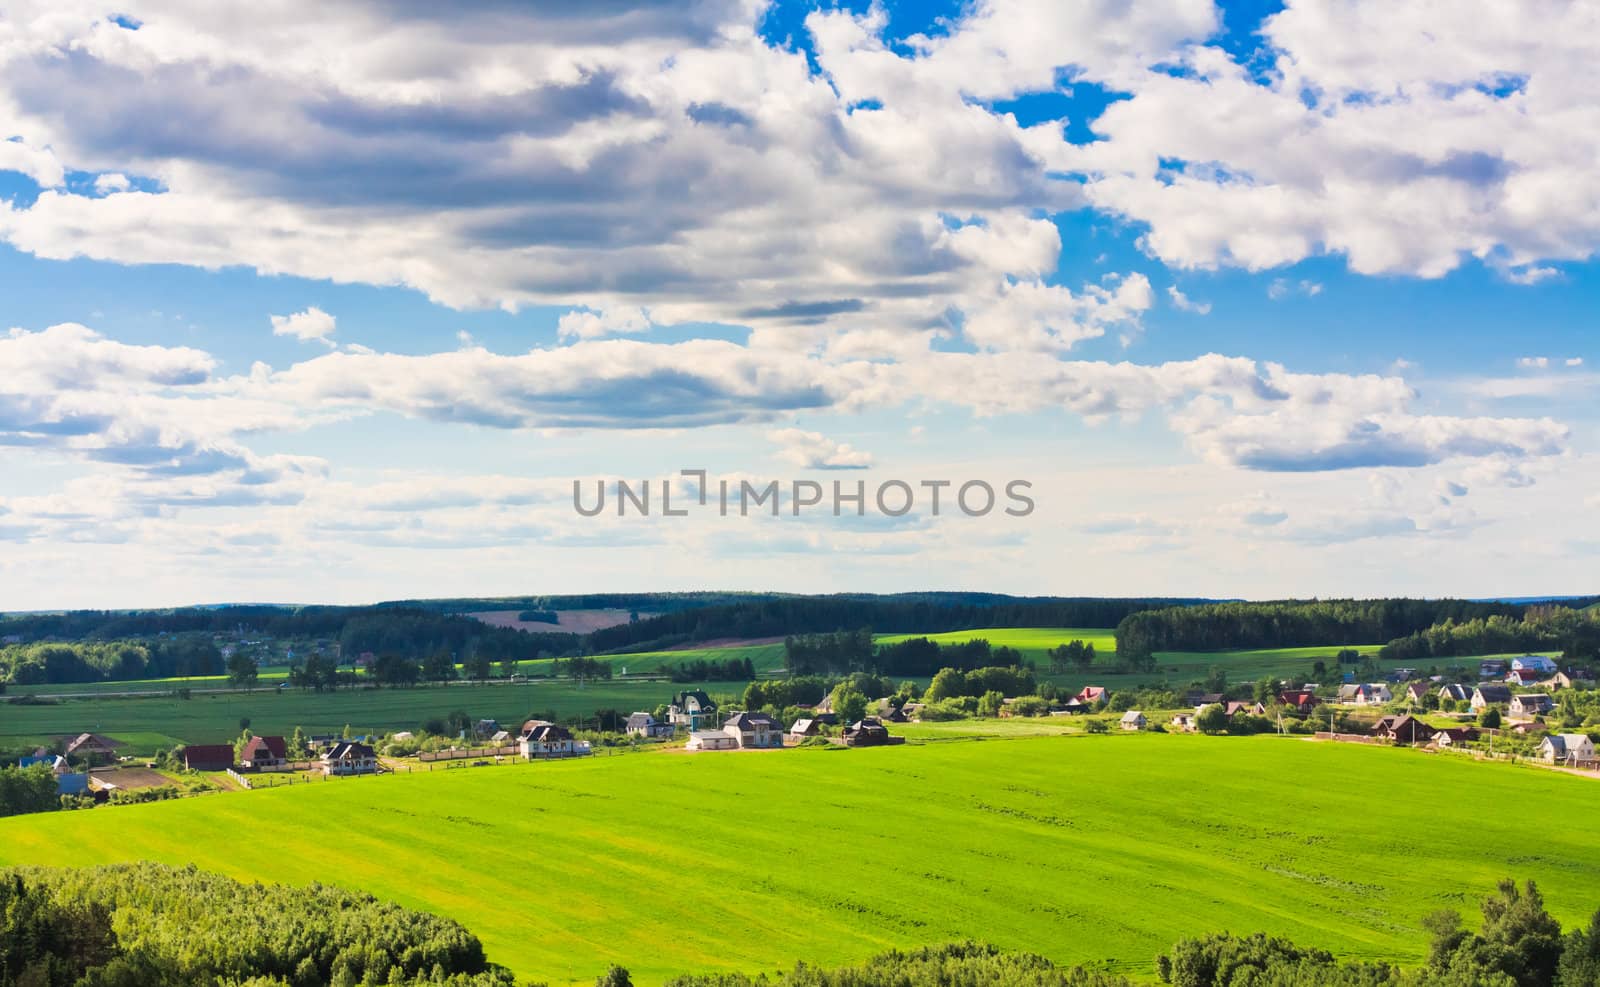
x=308 y=302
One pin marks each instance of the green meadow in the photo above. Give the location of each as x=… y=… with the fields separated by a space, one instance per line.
x=1094 y=850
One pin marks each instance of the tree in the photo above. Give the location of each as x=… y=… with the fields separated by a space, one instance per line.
x=1096 y=726
x=849 y=703
x=298 y=750
x=508 y=667
x=1212 y=719
x=439 y=667
x=1216 y=679
x=1580 y=957
x=615 y=976
x=478 y=666
x=242 y=671
x=1490 y=719
x=990 y=703
x=31 y=789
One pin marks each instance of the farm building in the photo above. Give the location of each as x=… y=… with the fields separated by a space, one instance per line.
x=58 y=764
x=72 y=784
x=711 y=740
x=1531 y=704
x=1132 y=720
x=264 y=752
x=693 y=709
x=347 y=757
x=866 y=732
x=550 y=740
x=208 y=757
x=1403 y=730
x=805 y=728
x=754 y=730
x=1567 y=748
x=1303 y=700
x=1489 y=694
x=92 y=748
x=1455 y=691
x=647 y=726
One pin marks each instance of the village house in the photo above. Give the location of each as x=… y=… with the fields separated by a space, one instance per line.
x=92 y=749
x=541 y=738
x=208 y=757
x=1534 y=663
x=1455 y=692
x=1531 y=704
x=866 y=732
x=692 y=709
x=1526 y=727
x=1562 y=680
x=1300 y=700
x=753 y=730
x=1492 y=669
x=647 y=726
x=58 y=764
x=264 y=752
x=711 y=740
x=1418 y=690
x=1522 y=676
x=1454 y=736
x=1197 y=699
x=1567 y=748
x=1489 y=694
x=349 y=757
x=1404 y=729
x=1372 y=694
x=897 y=714
x=1132 y=720
x=1184 y=721
x=805 y=728
x=485 y=729
x=1091 y=694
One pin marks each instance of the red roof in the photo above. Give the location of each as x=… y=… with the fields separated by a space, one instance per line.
x=274 y=746
x=208 y=757
x=1090 y=693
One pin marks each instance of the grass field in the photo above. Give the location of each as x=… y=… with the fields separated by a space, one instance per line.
x=1099 y=850
x=1033 y=642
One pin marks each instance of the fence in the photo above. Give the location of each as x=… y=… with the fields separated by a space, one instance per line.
x=457 y=753
x=241 y=779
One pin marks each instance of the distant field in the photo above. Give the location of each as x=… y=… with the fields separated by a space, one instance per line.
x=1033 y=642
x=765 y=657
x=1099 y=850
x=570 y=621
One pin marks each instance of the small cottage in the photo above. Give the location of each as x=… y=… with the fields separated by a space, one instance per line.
x=348 y=757
x=1454 y=736
x=1132 y=720
x=866 y=732
x=1403 y=730
x=648 y=727
x=547 y=740
x=1455 y=692
x=1489 y=694
x=692 y=709
x=1300 y=700
x=264 y=752
x=805 y=728
x=1531 y=704
x=92 y=748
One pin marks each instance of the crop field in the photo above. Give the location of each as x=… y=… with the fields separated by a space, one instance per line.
x=765 y=657
x=1033 y=642
x=1095 y=850
x=161 y=720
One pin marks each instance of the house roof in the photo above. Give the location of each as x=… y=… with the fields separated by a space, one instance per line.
x=209 y=754
x=72 y=784
x=1131 y=716
x=640 y=719
x=348 y=749
x=1533 y=701
x=91 y=743
x=701 y=700
x=802 y=726
x=548 y=733
x=1089 y=693
x=748 y=720
x=273 y=746
x=1493 y=693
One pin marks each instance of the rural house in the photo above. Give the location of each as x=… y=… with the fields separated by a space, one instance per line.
x=711 y=740
x=348 y=757
x=753 y=730
x=1522 y=676
x=541 y=739
x=1492 y=669
x=264 y=752
x=1489 y=694
x=485 y=729
x=208 y=757
x=1091 y=694
x=1531 y=704
x=1405 y=729
x=866 y=732
x=1372 y=694
x=1184 y=721
x=1417 y=691
x=1561 y=680
x=1567 y=748
x=92 y=748
x=1455 y=692
x=58 y=764
x=1454 y=736
x=1300 y=700
x=647 y=726
x=1132 y=720
x=1534 y=663
x=805 y=728
x=693 y=709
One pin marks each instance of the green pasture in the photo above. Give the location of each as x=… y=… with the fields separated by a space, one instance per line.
x=1033 y=642
x=1094 y=850
x=765 y=657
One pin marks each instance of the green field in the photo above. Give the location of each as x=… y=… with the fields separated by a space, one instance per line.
x=1033 y=642
x=765 y=657
x=1097 y=850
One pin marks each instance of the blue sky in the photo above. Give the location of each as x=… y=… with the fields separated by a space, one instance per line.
x=1260 y=302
